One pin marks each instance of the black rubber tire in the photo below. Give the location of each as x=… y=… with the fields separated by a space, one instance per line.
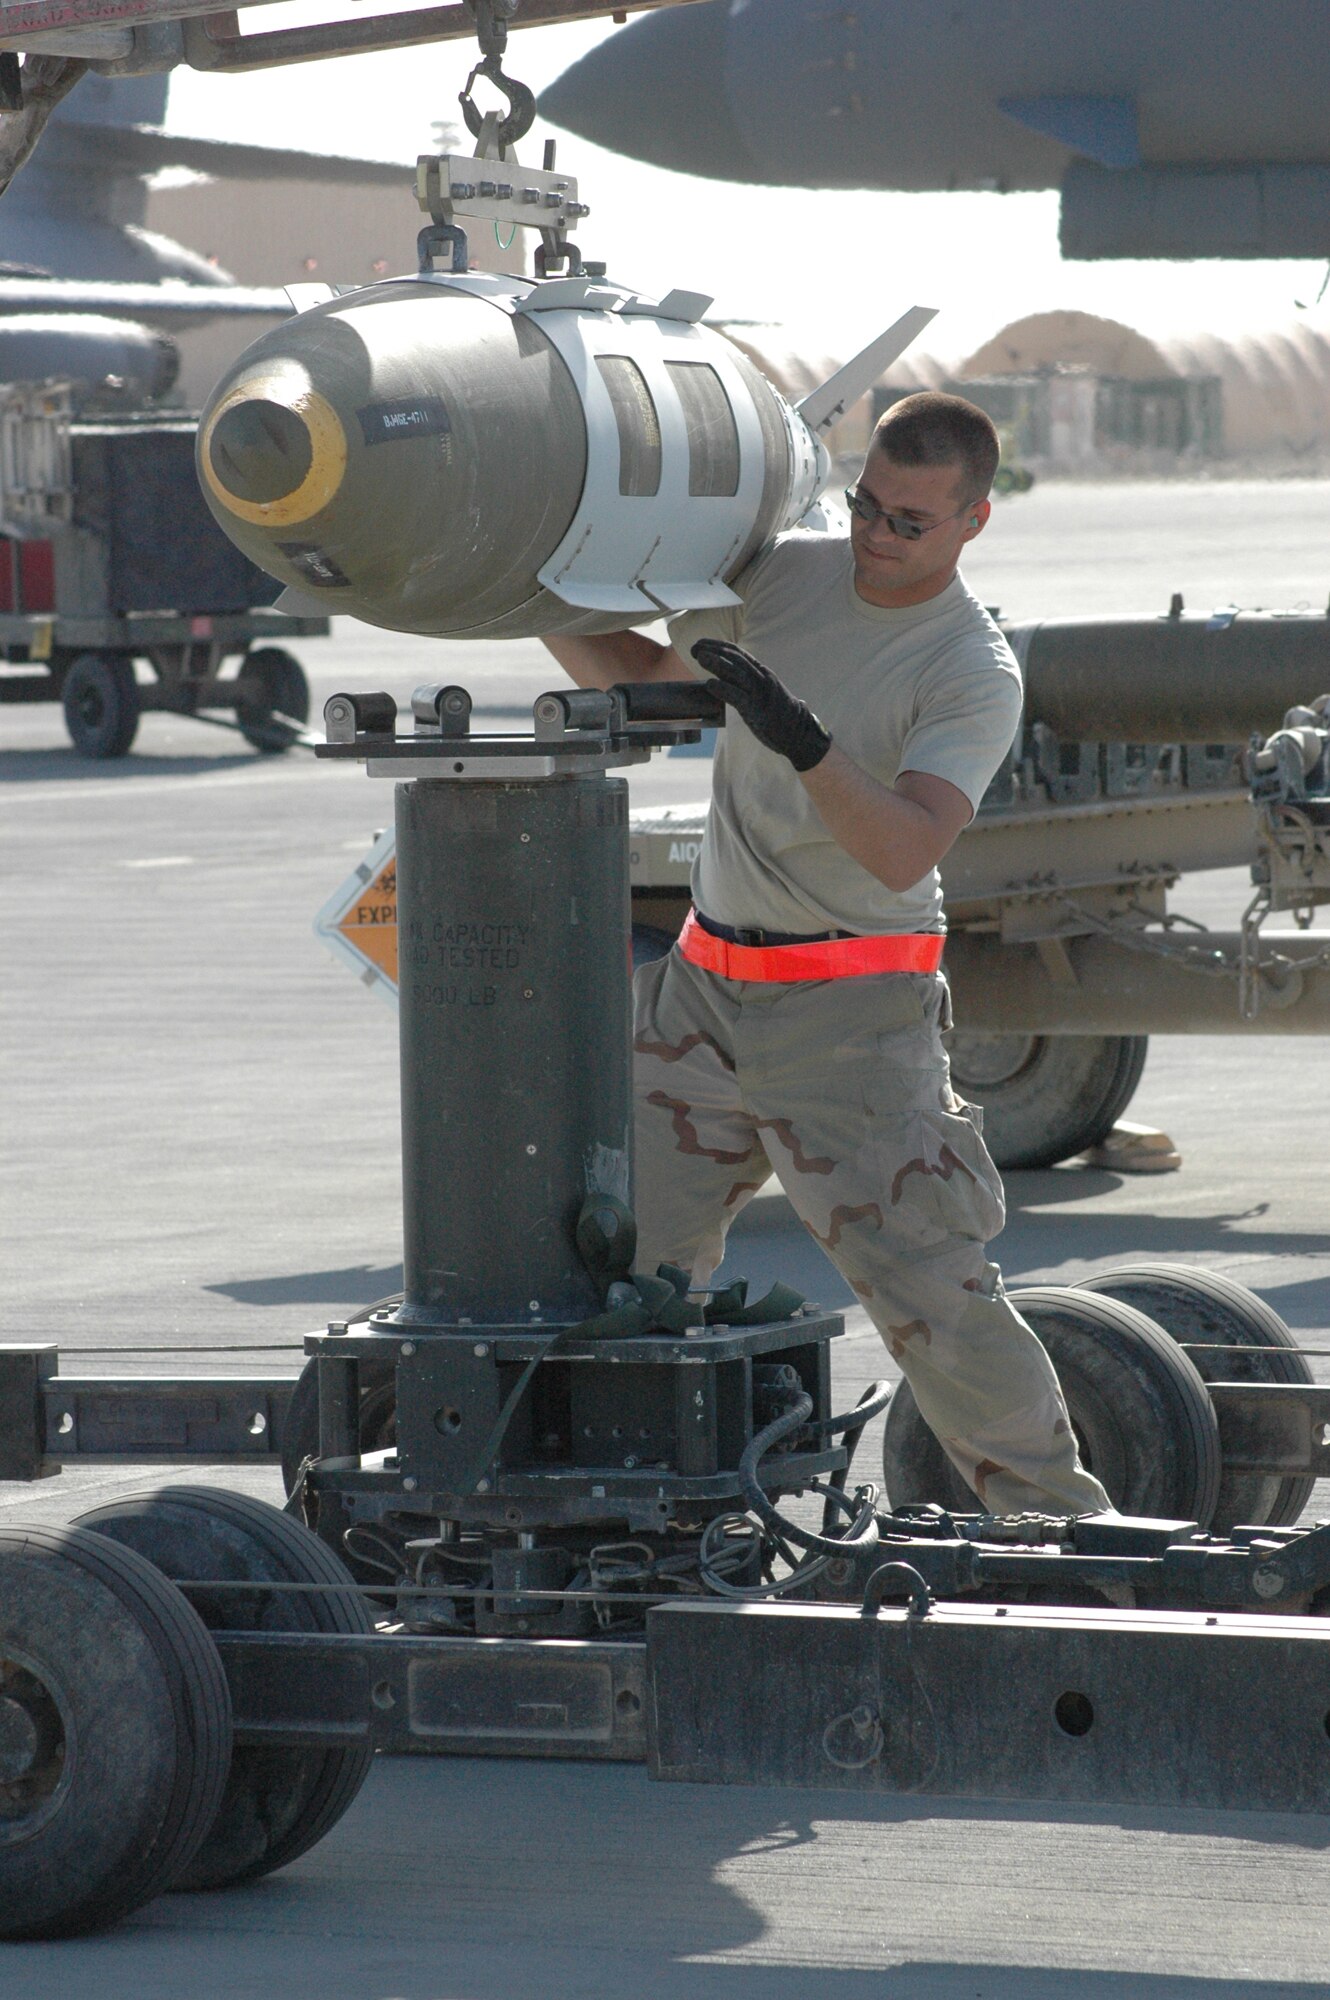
x=136 y=1687
x=650 y=943
x=378 y=1417
x=271 y=683
x=1143 y=1420
x=278 y=1802
x=1046 y=1097
x=101 y=704
x=1195 y=1305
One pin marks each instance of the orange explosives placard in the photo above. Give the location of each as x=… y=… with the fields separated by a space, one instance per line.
x=359 y=920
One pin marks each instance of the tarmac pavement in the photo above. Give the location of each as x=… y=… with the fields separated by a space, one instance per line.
x=200 y=1152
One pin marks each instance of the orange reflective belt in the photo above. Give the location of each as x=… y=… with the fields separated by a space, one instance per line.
x=837 y=958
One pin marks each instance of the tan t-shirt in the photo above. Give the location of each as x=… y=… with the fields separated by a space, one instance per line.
x=932 y=688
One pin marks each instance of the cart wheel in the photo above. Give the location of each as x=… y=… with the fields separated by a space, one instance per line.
x=1144 y=1423
x=101 y=701
x=278 y=1802
x=271 y=685
x=1195 y=1305
x=115 y=1732
x=1046 y=1097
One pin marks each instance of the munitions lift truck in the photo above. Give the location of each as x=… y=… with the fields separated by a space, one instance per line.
x=108 y=556
x=536 y=1501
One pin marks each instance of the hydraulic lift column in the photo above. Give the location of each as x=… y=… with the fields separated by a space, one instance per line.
x=514 y=928
x=540 y=1385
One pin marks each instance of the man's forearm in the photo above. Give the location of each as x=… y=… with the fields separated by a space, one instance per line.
x=898 y=833
x=606 y=658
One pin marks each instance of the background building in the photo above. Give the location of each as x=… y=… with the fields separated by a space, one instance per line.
x=1076 y=393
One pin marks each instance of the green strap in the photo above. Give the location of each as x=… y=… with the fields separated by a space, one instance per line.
x=619 y=1323
x=781 y=1302
x=606 y=1236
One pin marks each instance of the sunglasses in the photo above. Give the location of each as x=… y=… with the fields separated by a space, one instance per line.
x=866 y=509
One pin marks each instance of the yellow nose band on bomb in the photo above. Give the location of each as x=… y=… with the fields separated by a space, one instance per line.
x=273 y=452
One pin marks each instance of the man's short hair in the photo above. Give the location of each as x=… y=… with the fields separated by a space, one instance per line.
x=933 y=429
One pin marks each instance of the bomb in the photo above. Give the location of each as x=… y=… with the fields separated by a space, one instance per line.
x=470 y=455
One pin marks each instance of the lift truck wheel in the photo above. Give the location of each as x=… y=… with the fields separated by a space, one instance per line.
x=271 y=683
x=101 y=702
x=115 y=1732
x=1046 y=1097
x=1196 y=1305
x=278 y=1801
x=1142 y=1417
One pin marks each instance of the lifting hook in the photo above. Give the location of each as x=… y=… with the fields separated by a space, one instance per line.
x=491 y=18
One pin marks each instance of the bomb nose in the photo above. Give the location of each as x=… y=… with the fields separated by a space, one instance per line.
x=260 y=451
x=273 y=451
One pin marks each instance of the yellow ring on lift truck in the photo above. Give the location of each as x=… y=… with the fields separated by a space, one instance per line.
x=327 y=442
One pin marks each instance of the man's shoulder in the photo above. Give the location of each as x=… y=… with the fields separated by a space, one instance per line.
x=785 y=583
x=799 y=552
x=972 y=635
x=812 y=547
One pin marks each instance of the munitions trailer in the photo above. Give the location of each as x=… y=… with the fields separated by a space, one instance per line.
x=110 y=559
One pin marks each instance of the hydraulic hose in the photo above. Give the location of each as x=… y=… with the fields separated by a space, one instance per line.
x=805 y=1572
x=874 y=1399
x=871 y=1404
x=862 y=1532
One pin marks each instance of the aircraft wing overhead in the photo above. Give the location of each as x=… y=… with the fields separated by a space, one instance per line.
x=687 y=119
x=1173 y=128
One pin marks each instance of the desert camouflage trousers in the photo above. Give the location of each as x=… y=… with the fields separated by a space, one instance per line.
x=842 y=1089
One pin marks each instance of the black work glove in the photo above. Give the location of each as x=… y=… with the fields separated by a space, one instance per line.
x=776 y=717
